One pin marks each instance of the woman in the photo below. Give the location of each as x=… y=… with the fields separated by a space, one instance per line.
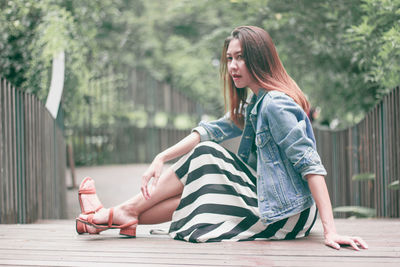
x=267 y=191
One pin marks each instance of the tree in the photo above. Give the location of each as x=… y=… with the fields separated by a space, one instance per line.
x=344 y=54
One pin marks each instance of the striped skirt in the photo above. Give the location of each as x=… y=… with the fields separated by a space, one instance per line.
x=219 y=201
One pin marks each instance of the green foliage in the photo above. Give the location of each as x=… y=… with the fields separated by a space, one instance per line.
x=55 y=33
x=185 y=39
x=395 y=185
x=32 y=33
x=161 y=119
x=18 y=20
x=376 y=39
x=138 y=118
x=344 y=54
x=363 y=177
x=338 y=53
x=184 y=122
x=357 y=211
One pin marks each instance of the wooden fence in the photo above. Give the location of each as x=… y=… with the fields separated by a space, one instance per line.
x=371 y=146
x=144 y=90
x=32 y=159
x=122 y=144
x=97 y=139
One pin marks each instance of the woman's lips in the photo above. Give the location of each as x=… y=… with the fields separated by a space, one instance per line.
x=236 y=76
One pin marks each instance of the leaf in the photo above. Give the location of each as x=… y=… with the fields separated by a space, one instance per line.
x=394 y=185
x=364 y=177
x=358 y=211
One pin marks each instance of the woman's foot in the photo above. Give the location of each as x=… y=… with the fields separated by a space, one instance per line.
x=89 y=203
x=106 y=219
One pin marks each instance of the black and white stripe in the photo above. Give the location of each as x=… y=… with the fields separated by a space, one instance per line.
x=219 y=201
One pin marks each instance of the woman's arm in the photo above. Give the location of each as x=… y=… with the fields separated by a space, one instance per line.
x=154 y=171
x=321 y=196
x=181 y=148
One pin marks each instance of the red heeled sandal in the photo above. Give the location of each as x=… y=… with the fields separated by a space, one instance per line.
x=87 y=187
x=127 y=229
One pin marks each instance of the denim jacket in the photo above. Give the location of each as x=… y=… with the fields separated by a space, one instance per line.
x=286 y=152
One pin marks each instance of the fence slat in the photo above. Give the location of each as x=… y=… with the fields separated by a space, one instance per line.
x=2 y=156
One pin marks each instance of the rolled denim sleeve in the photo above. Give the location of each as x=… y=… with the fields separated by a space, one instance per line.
x=202 y=132
x=292 y=131
x=219 y=130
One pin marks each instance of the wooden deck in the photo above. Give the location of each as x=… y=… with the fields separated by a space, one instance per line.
x=55 y=243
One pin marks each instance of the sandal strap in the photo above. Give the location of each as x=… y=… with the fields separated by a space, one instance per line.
x=89 y=221
x=87 y=191
x=93 y=211
x=110 y=217
x=90 y=218
x=110 y=221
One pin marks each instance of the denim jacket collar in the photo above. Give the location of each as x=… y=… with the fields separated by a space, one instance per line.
x=252 y=108
x=256 y=100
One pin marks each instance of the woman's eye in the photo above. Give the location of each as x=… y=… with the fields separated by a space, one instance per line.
x=229 y=58
x=239 y=57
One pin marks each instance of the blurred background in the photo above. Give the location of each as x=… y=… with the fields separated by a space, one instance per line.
x=139 y=74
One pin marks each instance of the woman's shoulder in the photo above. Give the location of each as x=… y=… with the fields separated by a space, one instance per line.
x=277 y=100
x=279 y=106
x=274 y=94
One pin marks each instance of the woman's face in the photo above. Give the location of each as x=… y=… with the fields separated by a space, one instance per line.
x=237 y=67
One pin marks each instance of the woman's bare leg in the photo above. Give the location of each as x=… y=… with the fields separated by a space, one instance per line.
x=165 y=198
x=168 y=186
x=162 y=212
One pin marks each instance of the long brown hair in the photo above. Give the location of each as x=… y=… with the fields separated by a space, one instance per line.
x=264 y=66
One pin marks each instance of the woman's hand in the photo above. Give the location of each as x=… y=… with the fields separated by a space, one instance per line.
x=320 y=193
x=154 y=171
x=334 y=240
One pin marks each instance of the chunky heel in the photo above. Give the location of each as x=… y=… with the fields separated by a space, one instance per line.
x=131 y=232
